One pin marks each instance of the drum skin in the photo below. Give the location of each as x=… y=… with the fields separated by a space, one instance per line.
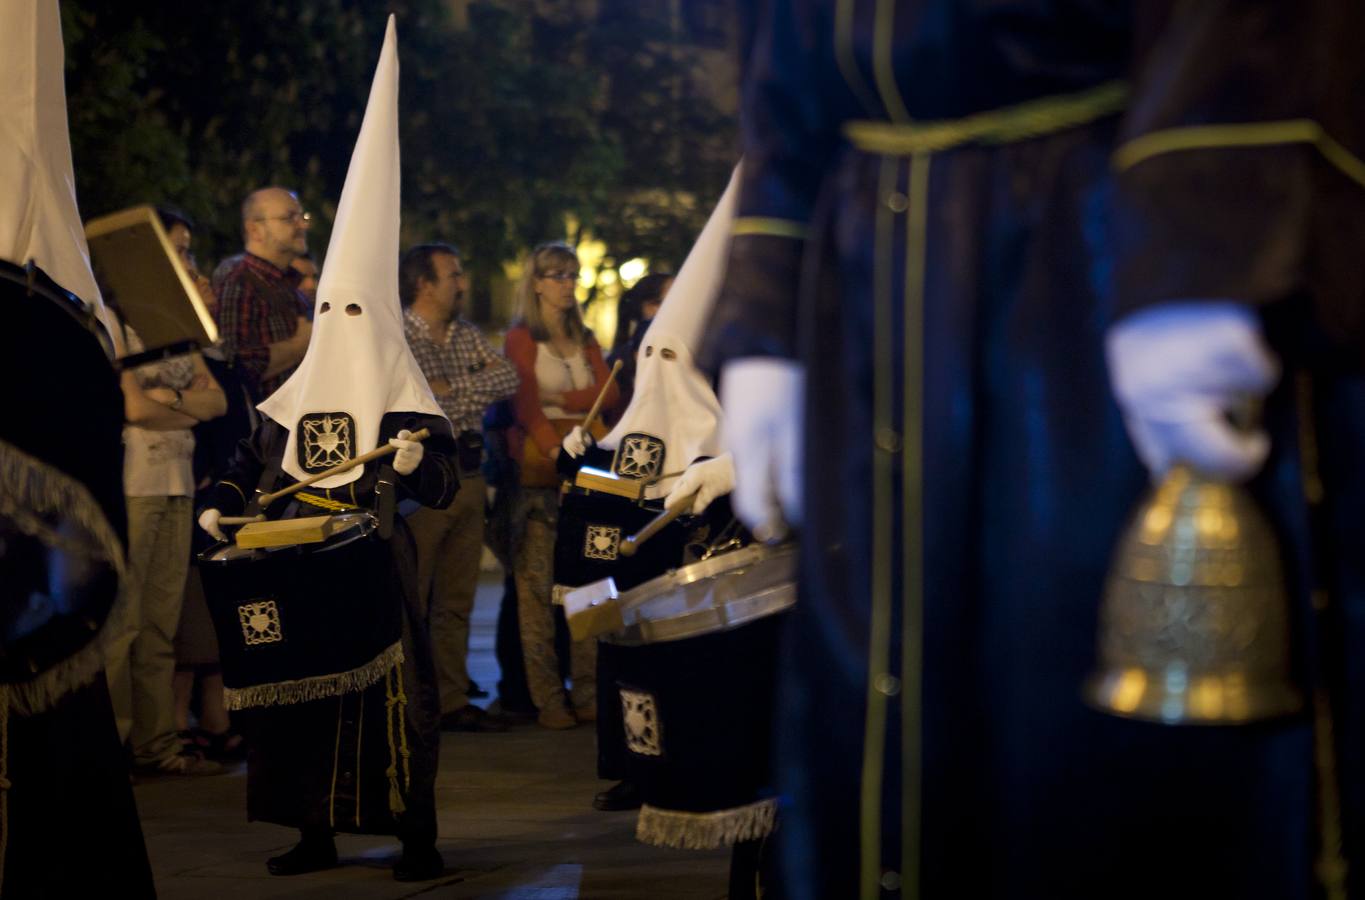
x=307 y=611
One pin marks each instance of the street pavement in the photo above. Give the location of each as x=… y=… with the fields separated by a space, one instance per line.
x=515 y=817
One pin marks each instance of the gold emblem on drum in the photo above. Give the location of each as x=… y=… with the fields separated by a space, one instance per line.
x=328 y=440
x=260 y=622
x=642 y=723
x=639 y=456
x=602 y=542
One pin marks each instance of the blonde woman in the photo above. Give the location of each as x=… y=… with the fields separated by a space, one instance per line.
x=561 y=370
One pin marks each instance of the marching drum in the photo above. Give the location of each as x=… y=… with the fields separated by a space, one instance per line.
x=591 y=529
x=696 y=652
x=301 y=622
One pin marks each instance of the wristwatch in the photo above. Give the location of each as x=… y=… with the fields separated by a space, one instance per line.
x=179 y=399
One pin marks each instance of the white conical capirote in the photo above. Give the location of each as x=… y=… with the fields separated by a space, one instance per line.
x=39 y=219
x=359 y=365
x=688 y=306
x=673 y=400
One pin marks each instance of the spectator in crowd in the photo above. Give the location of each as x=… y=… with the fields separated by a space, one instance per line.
x=163 y=400
x=265 y=319
x=637 y=310
x=466 y=375
x=196 y=645
x=561 y=371
x=179 y=229
x=308 y=271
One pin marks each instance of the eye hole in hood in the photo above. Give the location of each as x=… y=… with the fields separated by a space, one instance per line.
x=325 y=307
x=353 y=309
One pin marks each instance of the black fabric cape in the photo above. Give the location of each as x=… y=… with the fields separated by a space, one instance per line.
x=69 y=791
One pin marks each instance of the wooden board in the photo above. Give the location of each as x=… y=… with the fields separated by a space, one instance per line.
x=285 y=532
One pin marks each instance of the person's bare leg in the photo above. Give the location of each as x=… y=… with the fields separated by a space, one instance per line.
x=213 y=716
x=182 y=687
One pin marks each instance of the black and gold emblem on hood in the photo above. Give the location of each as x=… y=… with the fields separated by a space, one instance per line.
x=326 y=440
x=639 y=456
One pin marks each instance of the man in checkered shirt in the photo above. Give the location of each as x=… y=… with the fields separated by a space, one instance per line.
x=264 y=319
x=466 y=375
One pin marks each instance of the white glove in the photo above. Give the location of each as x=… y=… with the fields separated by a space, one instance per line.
x=1176 y=370
x=577 y=442
x=708 y=479
x=762 y=399
x=208 y=520
x=409 y=454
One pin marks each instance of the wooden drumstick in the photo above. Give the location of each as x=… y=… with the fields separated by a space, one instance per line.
x=239 y=520
x=657 y=524
x=601 y=396
x=376 y=453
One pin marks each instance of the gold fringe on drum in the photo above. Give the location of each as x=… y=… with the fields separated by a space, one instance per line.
x=32 y=496
x=706 y=831
x=281 y=693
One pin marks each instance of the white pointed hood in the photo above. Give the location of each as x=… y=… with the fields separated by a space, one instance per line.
x=674 y=416
x=358 y=366
x=39 y=220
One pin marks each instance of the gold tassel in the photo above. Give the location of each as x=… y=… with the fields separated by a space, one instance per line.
x=404 y=753
x=393 y=699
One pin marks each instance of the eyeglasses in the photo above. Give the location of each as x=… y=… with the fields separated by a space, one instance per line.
x=293 y=218
x=561 y=276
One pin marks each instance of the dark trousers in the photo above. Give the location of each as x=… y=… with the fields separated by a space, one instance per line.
x=513 y=692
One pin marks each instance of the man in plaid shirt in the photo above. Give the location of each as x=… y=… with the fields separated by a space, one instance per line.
x=264 y=319
x=466 y=375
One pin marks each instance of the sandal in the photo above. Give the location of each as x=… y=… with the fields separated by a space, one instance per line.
x=226 y=746
x=190 y=742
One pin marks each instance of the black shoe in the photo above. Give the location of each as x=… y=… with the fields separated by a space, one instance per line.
x=419 y=864
x=475 y=691
x=307 y=856
x=625 y=795
x=471 y=718
x=511 y=714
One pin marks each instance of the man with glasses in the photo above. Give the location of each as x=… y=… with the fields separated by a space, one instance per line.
x=265 y=319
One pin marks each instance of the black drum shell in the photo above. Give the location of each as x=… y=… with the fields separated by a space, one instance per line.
x=54 y=600
x=713 y=695
x=339 y=607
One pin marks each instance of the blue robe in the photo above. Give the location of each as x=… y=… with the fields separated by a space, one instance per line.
x=967 y=471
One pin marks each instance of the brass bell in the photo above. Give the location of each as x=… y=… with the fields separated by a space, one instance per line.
x=1194 y=628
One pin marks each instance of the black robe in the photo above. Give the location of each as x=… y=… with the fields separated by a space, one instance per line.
x=71 y=825
x=326 y=763
x=967 y=472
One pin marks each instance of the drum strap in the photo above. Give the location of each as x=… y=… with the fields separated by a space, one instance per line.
x=269 y=475
x=384 y=500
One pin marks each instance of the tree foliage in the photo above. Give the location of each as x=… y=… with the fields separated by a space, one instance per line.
x=508 y=125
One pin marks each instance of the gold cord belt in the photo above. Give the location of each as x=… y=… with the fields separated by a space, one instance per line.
x=322 y=502
x=1031 y=119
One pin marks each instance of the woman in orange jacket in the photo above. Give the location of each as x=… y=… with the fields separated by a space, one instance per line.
x=562 y=370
